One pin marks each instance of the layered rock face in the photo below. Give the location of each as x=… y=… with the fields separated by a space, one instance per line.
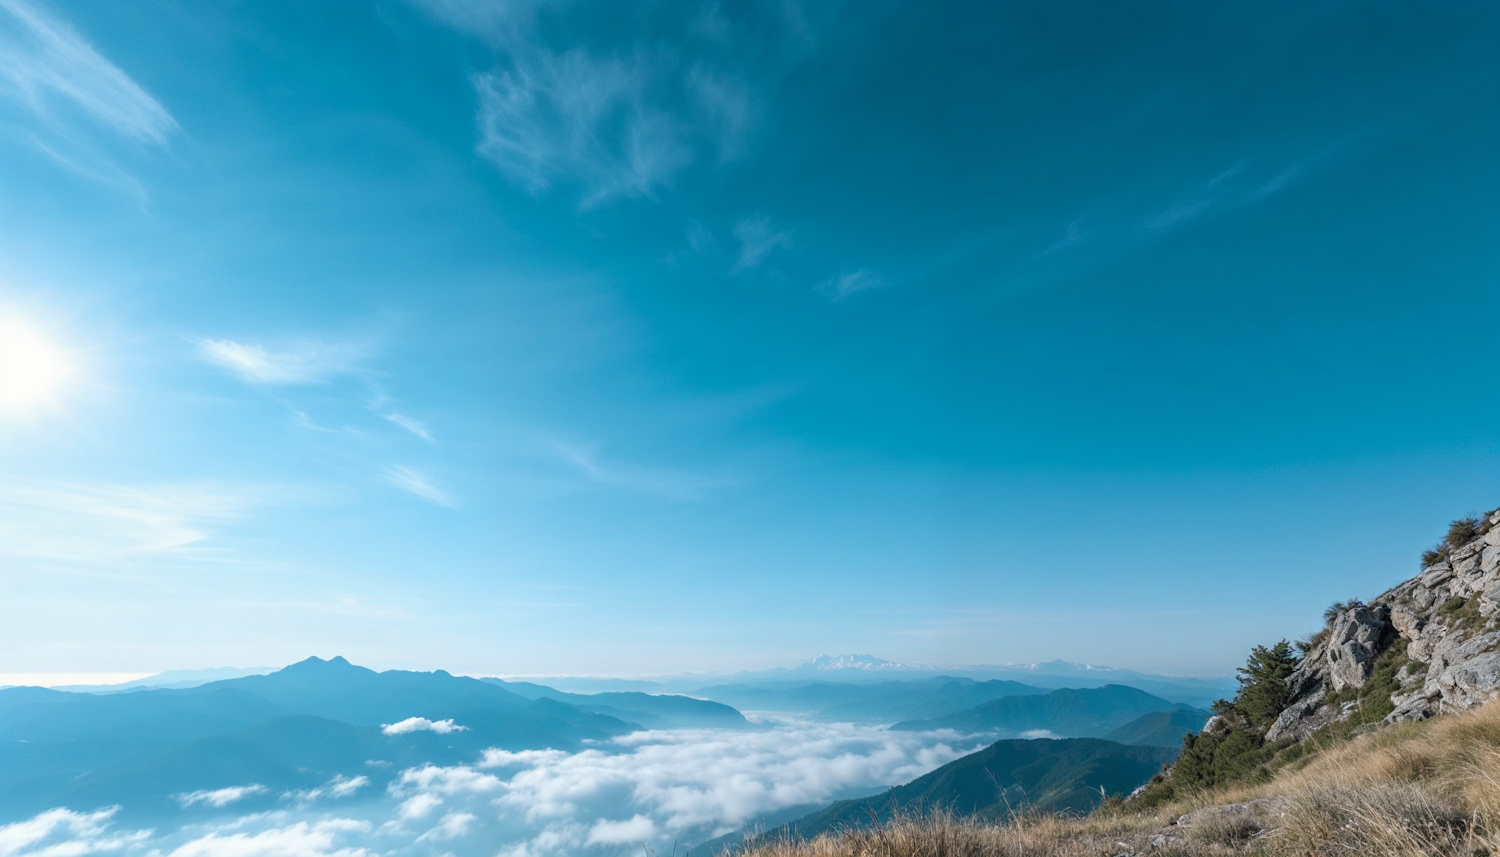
x=1439 y=630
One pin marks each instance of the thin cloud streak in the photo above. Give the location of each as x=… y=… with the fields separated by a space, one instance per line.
x=304 y=362
x=105 y=523
x=415 y=483
x=220 y=798
x=411 y=425
x=844 y=285
x=659 y=482
x=44 y=62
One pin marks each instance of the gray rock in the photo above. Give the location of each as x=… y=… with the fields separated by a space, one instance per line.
x=1490 y=559
x=1301 y=718
x=1471 y=682
x=1409 y=621
x=1358 y=636
x=1436 y=574
x=1414 y=706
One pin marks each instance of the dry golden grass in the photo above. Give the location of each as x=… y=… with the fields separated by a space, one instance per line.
x=1411 y=790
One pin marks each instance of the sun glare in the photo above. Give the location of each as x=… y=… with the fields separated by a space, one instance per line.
x=31 y=367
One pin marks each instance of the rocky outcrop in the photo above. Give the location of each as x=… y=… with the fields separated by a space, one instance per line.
x=1438 y=631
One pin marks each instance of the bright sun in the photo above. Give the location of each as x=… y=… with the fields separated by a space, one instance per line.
x=31 y=367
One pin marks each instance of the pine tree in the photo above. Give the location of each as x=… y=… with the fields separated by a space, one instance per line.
x=1264 y=686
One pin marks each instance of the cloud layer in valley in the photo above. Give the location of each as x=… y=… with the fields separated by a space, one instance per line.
x=653 y=787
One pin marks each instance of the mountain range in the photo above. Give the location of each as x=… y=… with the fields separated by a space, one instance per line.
x=315 y=724
x=1088 y=712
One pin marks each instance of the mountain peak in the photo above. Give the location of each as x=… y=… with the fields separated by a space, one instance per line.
x=314 y=663
x=853 y=662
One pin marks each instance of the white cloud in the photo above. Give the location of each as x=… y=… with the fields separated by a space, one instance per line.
x=434 y=779
x=844 y=285
x=638 y=828
x=101 y=523
x=304 y=362
x=418 y=806
x=422 y=724
x=63 y=833
x=220 y=797
x=453 y=826
x=415 y=483
x=411 y=425
x=303 y=839
x=338 y=787
x=757 y=241
x=712 y=781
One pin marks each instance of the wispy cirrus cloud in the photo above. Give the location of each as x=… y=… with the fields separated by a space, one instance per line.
x=582 y=117
x=844 y=285
x=414 y=426
x=298 y=363
x=419 y=485
x=103 y=523
x=66 y=92
x=621 y=120
x=758 y=239
x=668 y=483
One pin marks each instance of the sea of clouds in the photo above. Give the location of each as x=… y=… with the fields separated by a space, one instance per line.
x=654 y=788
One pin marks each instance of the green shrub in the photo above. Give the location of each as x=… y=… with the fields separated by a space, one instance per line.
x=1332 y=611
x=1463 y=614
x=1460 y=533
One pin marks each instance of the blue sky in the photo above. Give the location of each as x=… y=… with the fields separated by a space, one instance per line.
x=546 y=337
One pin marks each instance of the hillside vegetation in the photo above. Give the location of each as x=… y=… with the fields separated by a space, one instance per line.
x=1414 y=789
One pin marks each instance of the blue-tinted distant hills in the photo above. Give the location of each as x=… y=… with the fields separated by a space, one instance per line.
x=1082 y=712
x=865 y=669
x=882 y=702
x=1049 y=775
x=841 y=670
x=1160 y=728
x=654 y=711
x=301 y=728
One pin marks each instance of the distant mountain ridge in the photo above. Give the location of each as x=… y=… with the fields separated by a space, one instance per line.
x=1069 y=712
x=299 y=728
